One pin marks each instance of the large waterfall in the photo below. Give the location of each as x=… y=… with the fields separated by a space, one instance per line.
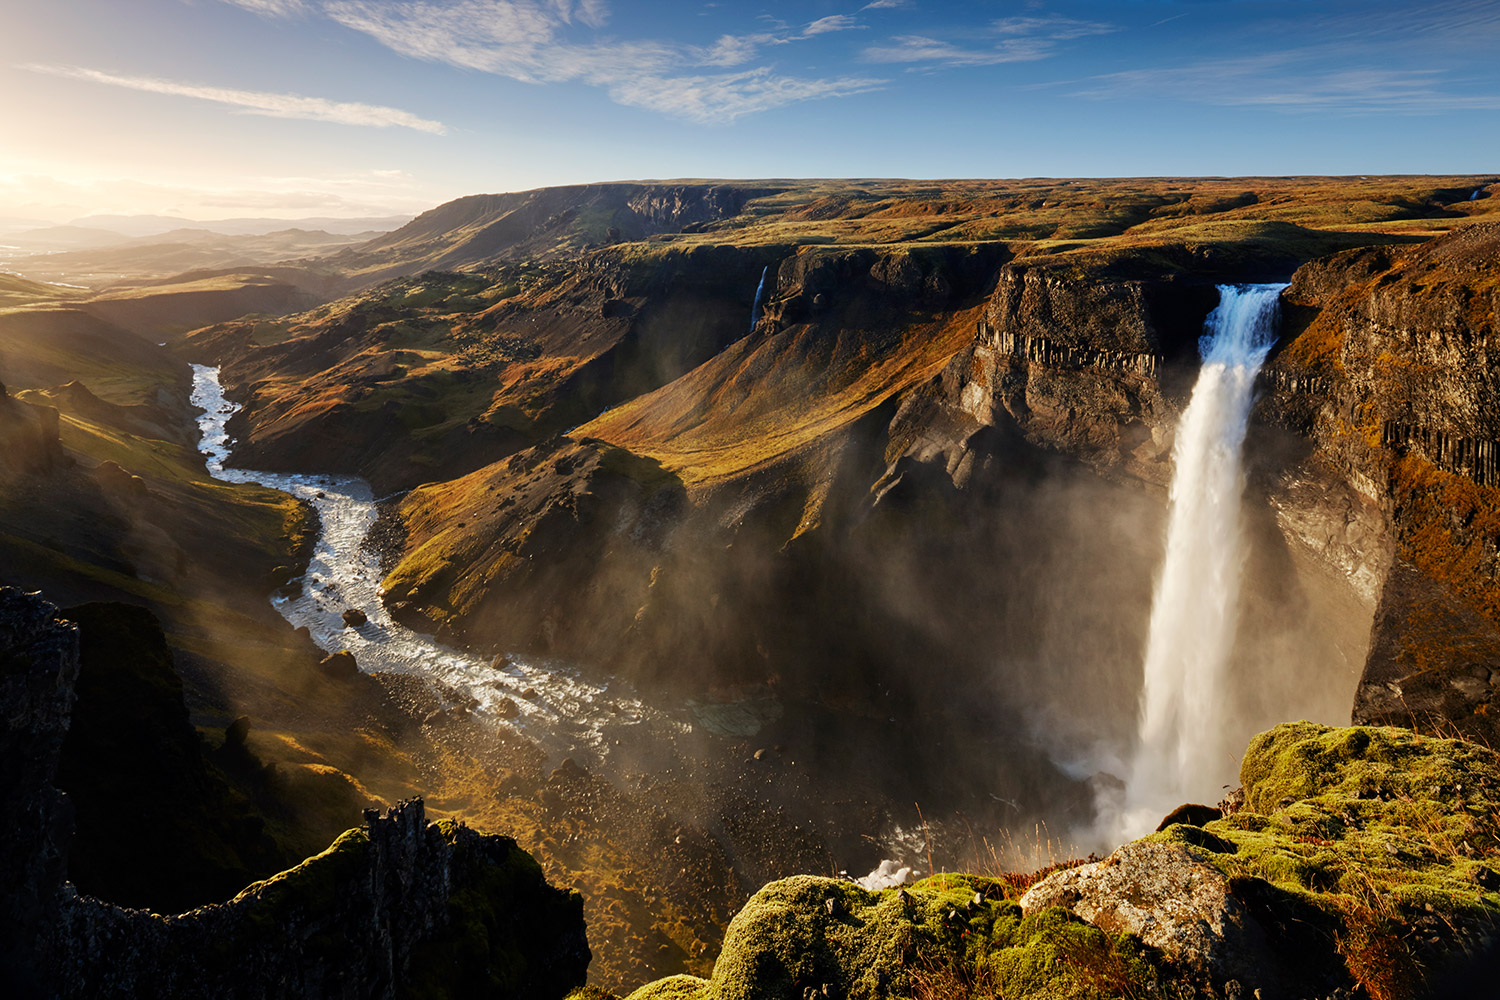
x=1184 y=749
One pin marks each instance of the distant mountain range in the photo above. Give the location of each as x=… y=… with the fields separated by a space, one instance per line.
x=150 y=225
x=72 y=258
x=104 y=230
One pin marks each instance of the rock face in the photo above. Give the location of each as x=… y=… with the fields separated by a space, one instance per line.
x=400 y=903
x=131 y=740
x=1390 y=372
x=38 y=667
x=377 y=911
x=1164 y=895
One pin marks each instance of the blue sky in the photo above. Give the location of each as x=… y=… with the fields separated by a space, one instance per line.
x=213 y=108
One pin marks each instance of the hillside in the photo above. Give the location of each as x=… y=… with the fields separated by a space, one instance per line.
x=18 y=291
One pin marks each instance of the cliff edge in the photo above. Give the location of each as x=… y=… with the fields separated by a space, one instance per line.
x=396 y=907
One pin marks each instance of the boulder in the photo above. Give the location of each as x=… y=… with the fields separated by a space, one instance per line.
x=339 y=666
x=354 y=618
x=1191 y=814
x=118 y=480
x=1173 y=901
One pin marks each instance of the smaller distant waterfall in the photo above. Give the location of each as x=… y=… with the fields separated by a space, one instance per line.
x=760 y=290
x=1183 y=754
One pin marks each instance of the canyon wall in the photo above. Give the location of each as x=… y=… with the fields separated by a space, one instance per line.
x=399 y=903
x=921 y=453
x=1400 y=394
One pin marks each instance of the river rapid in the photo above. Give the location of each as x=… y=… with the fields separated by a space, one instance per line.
x=547 y=701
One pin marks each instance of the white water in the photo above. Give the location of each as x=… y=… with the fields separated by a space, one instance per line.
x=1184 y=749
x=562 y=711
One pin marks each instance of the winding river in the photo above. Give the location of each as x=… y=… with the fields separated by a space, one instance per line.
x=548 y=702
x=603 y=724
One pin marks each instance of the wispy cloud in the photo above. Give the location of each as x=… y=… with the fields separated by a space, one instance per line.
x=728 y=96
x=1465 y=22
x=1020 y=39
x=256 y=102
x=1052 y=29
x=274 y=8
x=835 y=22
x=535 y=42
x=1285 y=81
x=921 y=49
x=887 y=4
x=519 y=39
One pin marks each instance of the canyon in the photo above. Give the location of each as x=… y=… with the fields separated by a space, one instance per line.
x=895 y=542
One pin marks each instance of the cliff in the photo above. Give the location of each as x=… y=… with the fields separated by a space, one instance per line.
x=398 y=906
x=1395 y=383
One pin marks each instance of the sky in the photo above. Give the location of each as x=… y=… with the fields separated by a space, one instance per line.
x=211 y=109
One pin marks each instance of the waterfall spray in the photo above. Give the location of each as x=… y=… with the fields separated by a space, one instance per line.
x=1183 y=753
x=759 y=291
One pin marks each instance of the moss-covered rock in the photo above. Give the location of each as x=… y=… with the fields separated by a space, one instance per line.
x=1381 y=840
x=1339 y=813
x=1365 y=859
x=948 y=936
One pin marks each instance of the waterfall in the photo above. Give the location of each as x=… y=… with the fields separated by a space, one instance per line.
x=759 y=291
x=1185 y=742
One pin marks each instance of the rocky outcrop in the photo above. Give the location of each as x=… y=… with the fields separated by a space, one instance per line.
x=809 y=938
x=1354 y=862
x=1091 y=365
x=1190 y=911
x=38 y=668
x=398 y=904
x=28 y=437
x=384 y=908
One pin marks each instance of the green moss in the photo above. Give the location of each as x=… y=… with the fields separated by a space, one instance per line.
x=931 y=940
x=1347 y=817
x=310 y=889
x=674 y=988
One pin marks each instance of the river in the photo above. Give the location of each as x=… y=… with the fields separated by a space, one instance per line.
x=548 y=701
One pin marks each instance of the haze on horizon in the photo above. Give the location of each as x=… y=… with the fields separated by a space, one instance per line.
x=208 y=109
